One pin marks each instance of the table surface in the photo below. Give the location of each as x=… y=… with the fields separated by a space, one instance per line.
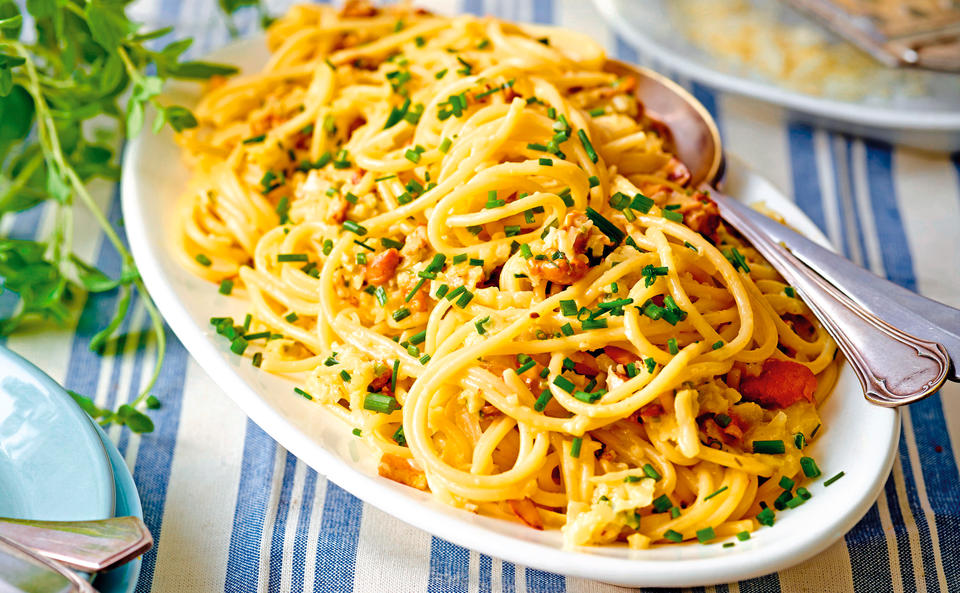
x=233 y=511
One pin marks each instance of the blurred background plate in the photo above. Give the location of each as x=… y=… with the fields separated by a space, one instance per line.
x=765 y=50
x=53 y=465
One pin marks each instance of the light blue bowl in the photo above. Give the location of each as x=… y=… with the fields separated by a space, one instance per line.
x=53 y=465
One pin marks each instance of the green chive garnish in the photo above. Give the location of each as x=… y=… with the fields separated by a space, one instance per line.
x=575 y=447
x=773 y=447
x=380 y=403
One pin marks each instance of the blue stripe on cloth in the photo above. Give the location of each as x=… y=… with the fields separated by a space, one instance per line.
x=866 y=542
x=473 y=7
x=708 y=97
x=766 y=584
x=143 y=334
x=806 y=181
x=508 y=576
x=337 y=546
x=449 y=567
x=938 y=465
x=485 y=574
x=155 y=453
x=83 y=369
x=539 y=581
x=25 y=224
x=624 y=51
x=253 y=492
x=280 y=523
x=867 y=547
x=543 y=12
x=303 y=532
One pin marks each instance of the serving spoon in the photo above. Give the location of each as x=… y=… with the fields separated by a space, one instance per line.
x=899 y=343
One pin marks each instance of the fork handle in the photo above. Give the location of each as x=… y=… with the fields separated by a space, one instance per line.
x=899 y=307
x=894 y=367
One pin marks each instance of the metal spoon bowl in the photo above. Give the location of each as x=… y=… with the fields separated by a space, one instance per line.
x=875 y=322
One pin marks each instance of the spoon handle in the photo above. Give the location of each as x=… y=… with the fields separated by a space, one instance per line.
x=88 y=546
x=894 y=367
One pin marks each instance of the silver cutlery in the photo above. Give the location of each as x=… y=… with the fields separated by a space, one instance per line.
x=899 y=343
x=87 y=546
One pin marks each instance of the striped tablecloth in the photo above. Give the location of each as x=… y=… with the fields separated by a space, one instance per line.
x=233 y=511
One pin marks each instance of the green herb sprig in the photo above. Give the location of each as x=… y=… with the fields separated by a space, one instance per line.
x=67 y=87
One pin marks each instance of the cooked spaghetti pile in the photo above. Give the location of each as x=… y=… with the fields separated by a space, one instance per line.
x=468 y=241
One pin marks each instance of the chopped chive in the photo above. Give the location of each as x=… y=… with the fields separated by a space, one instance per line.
x=591 y=153
x=464 y=299
x=226 y=286
x=772 y=447
x=412 y=155
x=440 y=74
x=459 y=259
x=804 y=493
x=254 y=139
x=393 y=375
x=381 y=296
x=327 y=246
x=203 y=260
x=568 y=308
x=790 y=292
x=445 y=145
x=723 y=420
x=606 y=227
x=542 y=400
x=354 y=227
x=401 y=314
x=673 y=536
x=238 y=345
x=479 y=325
x=378 y=179
x=414 y=290
x=714 y=493
x=786 y=483
x=672 y=215
x=642 y=203
x=691 y=246
x=257 y=336
x=456 y=292
x=564 y=383
x=809 y=467
x=593 y=324
x=718 y=345
x=594 y=181
x=705 y=535
x=357 y=432
x=736 y=258
x=292 y=257
x=441 y=291
x=575 y=446
x=795 y=502
x=728 y=544
x=545 y=162
x=587 y=398
x=799 y=440
x=257 y=359
x=302 y=393
x=526 y=366
x=743 y=536
x=651 y=365
x=672 y=346
x=399 y=437
x=597 y=112
x=292 y=317
x=766 y=517
x=424 y=359
x=345 y=376
x=382 y=404
x=662 y=503
x=651 y=472
x=567 y=329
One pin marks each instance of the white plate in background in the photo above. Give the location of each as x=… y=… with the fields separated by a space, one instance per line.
x=929 y=121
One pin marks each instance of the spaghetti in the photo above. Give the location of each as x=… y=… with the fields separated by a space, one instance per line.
x=468 y=241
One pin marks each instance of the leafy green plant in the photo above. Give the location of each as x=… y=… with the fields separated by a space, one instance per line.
x=82 y=76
